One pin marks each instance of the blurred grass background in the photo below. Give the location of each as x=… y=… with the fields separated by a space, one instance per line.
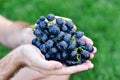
x=99 y=19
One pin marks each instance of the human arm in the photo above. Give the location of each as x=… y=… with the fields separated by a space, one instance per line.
x=14 y=34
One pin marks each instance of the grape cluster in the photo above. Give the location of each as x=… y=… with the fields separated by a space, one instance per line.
x=57 y=40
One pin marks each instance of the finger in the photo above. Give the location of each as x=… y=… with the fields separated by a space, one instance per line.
x=73 y=69
x=85 y=66
x=87 y=40
x=75 y=28
x=92 y=53
x=46 y=65
x=24 y=72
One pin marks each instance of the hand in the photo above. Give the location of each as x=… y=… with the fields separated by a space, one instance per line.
x=39 y=67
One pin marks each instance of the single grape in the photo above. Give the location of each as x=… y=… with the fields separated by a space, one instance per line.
x=69 y=24
x=79 y=34
x=44 y=38
x=38 y=21
x=43 y=48
x=80 y=42
x=34 y=41
x=64 y=28
x=37 y=32
x=38 y=44
x=67 y=37
x=62 y=45
x=61 y=35
x=85 y=54
x=42 y=18
x=73 y=54
x=54 y=29
x=89 y=47
x=59 y=21
x=49 y=44
x=43 y=24
x=47 y=56
x=64 y=55
x=50 y=17
x=72 y=45
x=58 y=56
x=53 y=50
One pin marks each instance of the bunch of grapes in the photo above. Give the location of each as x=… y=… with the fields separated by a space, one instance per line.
x=57 y=40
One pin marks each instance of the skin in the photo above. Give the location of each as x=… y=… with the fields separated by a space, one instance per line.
x=26 y=62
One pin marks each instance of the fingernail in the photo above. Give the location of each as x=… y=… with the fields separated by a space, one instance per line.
x=91 y=66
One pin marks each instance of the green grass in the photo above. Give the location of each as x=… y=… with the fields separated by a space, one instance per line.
x=99 y=19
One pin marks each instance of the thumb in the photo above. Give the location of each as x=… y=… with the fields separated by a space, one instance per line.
x=35 y=60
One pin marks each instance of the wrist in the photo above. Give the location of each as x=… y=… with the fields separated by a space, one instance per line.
x=16 y=34
x=26 y=36
x=10 y=64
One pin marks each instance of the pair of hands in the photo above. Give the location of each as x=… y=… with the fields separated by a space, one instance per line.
x=35 y=62
x=37 y=66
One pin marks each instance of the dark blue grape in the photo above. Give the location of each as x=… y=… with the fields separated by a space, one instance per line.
x=53 y=50
x=43 y=24
x=80 y=42
x=38 y=44
x=67 y=37
x=85 y=54
x=64 y=55
x=59 y=21
x=47 y=56
x=64 y=28
x=58 y=56
x=50 y=17
x=79 y=34
x=61 y=35
x=62 y=45
x=83 y=60
x=72 y=45
x=34 y=41
x=42 y=18
x=80 y=62
x=70 y=62
x=49 y=44
x=89 y=47
x=69 y=24
x=43 y=48
x=73 y=54
x=38 y=21
x=72 y=32
x=54 y=29
x=44 y=38
x=37 y=32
